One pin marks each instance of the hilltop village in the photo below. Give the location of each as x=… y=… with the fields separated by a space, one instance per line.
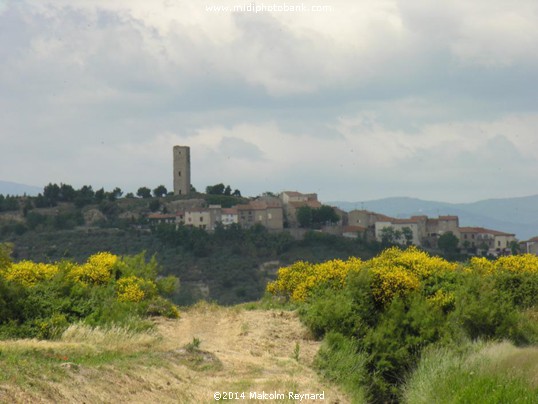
x=283 y=213
x=292 y=211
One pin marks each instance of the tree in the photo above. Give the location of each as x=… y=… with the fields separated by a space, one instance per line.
x=227 y=190
x=217 y=189
x=390 y=236
x=67 y=193
x=325 y=215
x=116 y=193
x=305 y=216
x=154 y=205
x=448 y=243
x=51 y=192
x=236 y=193
x=144 y=192
x=100 y=195
x=407 y=234
x=160 y=191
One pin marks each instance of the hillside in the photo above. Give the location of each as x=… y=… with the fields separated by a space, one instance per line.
x=240 y=351
x=511 y=215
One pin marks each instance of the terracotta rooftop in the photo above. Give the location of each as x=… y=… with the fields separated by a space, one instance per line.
x=482 y=230
x=229 y=211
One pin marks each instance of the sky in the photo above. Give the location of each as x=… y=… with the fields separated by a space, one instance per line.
x=354 y=100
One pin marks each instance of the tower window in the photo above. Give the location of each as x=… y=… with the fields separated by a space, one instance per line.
x=179 y=173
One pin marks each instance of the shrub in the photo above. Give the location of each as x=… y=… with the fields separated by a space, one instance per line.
x=40 y=300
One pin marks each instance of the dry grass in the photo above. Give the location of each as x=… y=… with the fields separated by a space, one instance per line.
x=239 y=351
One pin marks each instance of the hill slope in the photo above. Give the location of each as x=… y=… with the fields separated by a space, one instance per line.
x=13 y=188
x=240 y=351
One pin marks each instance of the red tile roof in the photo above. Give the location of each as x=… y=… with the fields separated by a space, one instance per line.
x=354 y=229
x=481 y=230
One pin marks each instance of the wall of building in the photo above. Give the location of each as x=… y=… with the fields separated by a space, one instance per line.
x=182 y=170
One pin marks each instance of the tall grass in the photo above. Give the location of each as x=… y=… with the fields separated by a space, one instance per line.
x=482 y=373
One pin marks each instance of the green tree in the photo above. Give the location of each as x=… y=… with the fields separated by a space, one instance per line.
x=448 y=243
x=67 y=193
x=407 y=234
x=115 y=194
x=160 y=191
x=325 y=215
x=144 y=192
x=217 y=189
x=154 y=205
x=305 y=217
x=390 y=236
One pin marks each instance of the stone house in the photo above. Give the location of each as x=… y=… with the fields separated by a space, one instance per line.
x=486 y=240
x=292 y=201
x=530 y=246
x=269 y=215
x=200 y=218
x=399 y=224
x=229 y=216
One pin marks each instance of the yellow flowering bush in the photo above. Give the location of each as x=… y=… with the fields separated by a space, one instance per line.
x=441 y=299
x=299 y=279
x=526 y=263
x=398 y=272
x=96 y=271
x=481 y=265
x=134 y=289
x=391 y=281
x=29 y=273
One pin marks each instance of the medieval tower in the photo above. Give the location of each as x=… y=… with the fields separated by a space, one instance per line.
x=182 y=170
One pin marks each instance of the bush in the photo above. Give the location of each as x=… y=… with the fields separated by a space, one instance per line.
x=395 y=344
x=396 y=304
x=40 y=300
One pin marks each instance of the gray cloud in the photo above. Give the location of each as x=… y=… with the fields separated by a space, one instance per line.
x=370 y=100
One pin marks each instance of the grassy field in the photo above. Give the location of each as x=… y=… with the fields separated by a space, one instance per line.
x=209 y=349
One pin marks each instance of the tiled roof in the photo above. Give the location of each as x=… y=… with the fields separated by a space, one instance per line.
x=229 y=211
x=354 y=229
x=481 y=230
x=448 y=217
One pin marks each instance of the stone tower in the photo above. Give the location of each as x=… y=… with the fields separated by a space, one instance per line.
x=182 y=170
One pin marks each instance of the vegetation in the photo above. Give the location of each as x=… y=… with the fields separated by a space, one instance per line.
x=315 y=218
x=390 y=308
x=40 y=300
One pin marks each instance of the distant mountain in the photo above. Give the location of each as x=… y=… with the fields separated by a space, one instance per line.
x=511 y=215
x=13 y=188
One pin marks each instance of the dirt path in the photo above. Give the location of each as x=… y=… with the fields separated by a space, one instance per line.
x=239 y=351
x=260 y=351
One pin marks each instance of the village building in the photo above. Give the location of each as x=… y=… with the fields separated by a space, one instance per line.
x=530 y=246
x=488 y=241
x=229 y=216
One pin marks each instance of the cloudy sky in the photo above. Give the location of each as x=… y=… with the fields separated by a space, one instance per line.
x=354 y=100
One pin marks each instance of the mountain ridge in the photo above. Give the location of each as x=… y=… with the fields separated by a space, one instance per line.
x=17 y=189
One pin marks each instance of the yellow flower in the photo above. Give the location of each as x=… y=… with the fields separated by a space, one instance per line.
x=28 y=273
x=96 y=271
x=134 y=289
